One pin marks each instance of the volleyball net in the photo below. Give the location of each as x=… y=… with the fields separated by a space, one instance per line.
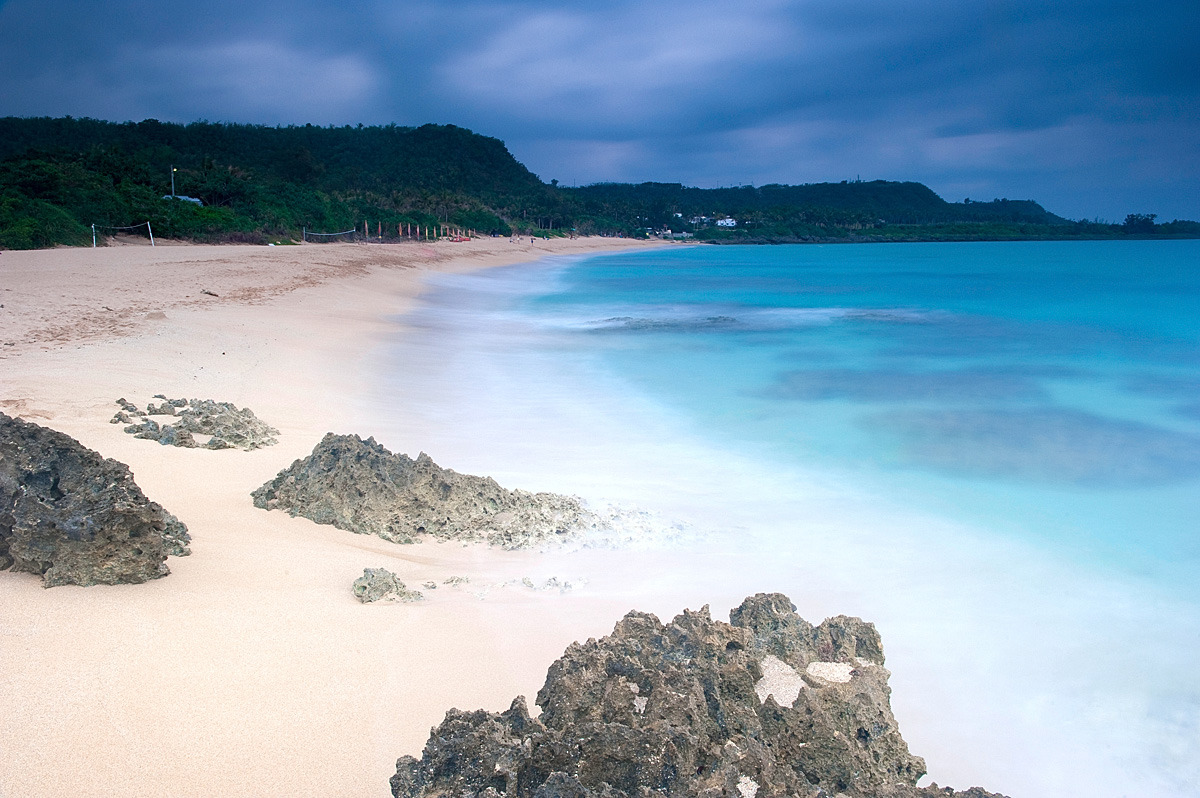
x=306 y=234
x=103 y=227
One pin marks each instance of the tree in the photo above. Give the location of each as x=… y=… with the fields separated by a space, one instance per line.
x=1139 y=223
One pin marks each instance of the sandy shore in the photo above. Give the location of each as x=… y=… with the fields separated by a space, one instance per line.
x=251 y=669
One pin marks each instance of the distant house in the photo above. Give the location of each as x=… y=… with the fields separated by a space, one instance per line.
x=726 y=222
x=195 y=200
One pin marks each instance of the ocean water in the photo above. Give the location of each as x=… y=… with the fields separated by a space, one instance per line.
x=991 y=450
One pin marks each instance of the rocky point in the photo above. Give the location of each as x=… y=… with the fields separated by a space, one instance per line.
x=766 y=705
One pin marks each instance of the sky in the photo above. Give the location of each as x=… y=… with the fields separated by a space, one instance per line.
x=1090 y=107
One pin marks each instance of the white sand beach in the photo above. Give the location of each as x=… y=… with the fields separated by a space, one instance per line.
x=251 y=669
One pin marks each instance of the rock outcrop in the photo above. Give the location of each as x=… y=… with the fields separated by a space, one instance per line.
x=226 y=426
x=73 y=516
x=380 y=584
x=766 y=705
x=360 y=486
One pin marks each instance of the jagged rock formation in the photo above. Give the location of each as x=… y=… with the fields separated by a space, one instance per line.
x=175 y=536
x=765 y=705
x=380 y=584
x=227 y=426
x=360 y=486
x=74 y=517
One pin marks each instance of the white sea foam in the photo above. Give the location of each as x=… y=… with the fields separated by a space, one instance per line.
x=1013 y=667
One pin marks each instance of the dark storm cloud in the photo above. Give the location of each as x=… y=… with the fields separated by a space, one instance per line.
x=1089 y=106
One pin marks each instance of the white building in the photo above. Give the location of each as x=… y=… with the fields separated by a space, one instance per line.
x=726 y=222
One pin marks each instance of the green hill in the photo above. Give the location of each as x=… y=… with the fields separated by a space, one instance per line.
x=59 y=176
x=256 y=183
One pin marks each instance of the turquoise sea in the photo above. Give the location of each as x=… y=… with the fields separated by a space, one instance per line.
x=1050 y=390
x=992 y=450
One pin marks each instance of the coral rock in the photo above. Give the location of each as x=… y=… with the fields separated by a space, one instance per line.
x=360 y=486
x=74 y=517
x=380 y=584
x=228 y=426
x=675 y=710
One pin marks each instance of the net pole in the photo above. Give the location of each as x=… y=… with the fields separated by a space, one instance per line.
x=304 y=235
x=151 y=233
x=93 y=236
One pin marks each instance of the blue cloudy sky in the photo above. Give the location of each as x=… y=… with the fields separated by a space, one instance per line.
x=1091 y=107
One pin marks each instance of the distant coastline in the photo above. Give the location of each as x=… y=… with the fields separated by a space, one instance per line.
x=75 y=182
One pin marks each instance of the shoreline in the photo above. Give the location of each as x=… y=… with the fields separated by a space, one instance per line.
x=960 y=605
x=251 y=667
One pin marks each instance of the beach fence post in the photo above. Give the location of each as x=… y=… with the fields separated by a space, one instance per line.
x=149 y=228
x=93 y=236
x=303 y=235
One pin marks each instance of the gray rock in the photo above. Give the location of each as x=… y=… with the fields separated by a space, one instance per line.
x=689 y=709
x=360 y=486
x=148 y=429
x=236 y=428
x=175 y=536
x=172 y=435
x=74 y=517
x=228 y=426
x=380 y=584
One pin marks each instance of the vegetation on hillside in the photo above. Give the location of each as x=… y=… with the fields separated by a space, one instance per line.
x=58 y=177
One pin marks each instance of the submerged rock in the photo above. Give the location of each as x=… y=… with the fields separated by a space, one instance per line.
x=693 y=708
x=74 y=517
x=360 y=486
x=380 y=584
x=228 y=426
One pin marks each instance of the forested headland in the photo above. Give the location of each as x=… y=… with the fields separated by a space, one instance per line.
x=259 y=184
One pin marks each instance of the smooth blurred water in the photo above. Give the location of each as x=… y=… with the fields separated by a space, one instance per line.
x=1049 y=390
x=990 y=450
